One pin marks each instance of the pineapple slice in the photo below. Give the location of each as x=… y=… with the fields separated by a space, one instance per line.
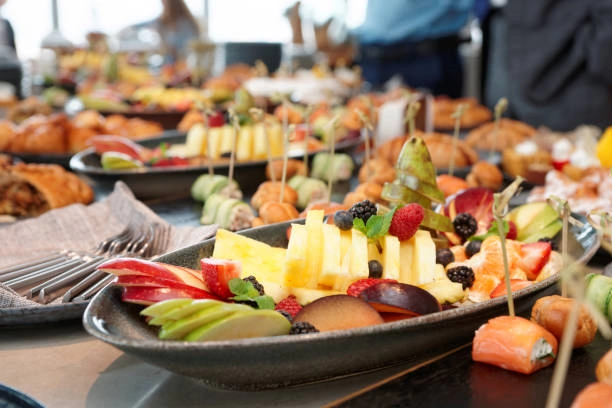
x=265 y=262
x=442 y=288
x=354 y=263
x=406 y=254
x=275 y=138
x=215 y=135
x=424 y=258
x=330 y=265
x=391 y=258
x=195 y=141
x=295 y=262
x=244 y=147
x=304 y=296
x=260 y=142
x=314 y=247
x=227 y=139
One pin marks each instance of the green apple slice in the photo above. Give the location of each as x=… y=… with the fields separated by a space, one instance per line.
x=242 y=325
x=179 y=328
x=548 y=231
x=183 y=311
x=160 y=308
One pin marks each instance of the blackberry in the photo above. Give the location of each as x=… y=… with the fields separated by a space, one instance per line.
x=258 y=286
x=302 y=328
x=286 y=314
x=444 y=256
x=552 y=243
x=472 y=248
x=465 y=225
x=461 y=274
x=363 y=209
x=375 y=269
x=343 y=220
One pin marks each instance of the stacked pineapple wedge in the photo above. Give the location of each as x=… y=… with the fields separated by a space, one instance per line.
x=322 y=260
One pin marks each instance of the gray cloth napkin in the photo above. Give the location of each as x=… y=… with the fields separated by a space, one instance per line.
x=80 y=228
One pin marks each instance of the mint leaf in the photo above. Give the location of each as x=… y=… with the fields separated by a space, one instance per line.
x=378 y=225
x=246 y=292
x=359 y=225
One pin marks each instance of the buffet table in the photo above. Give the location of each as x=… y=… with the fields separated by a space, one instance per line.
x=59 y=364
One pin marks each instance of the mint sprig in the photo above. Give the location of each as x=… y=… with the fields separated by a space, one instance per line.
x=246 y=292
x=376 y=227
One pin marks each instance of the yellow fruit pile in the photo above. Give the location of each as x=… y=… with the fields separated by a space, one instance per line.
x=604 y=148
x=322 y=260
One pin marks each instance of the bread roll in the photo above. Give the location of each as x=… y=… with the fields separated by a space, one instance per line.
x=603 y=369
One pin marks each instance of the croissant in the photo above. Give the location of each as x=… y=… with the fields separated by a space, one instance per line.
x=269 y=191
x=272 y=212
x=376 y=170
x=32 y=189
x=510 y=133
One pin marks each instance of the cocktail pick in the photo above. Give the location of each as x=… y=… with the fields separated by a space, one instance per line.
x=366 y=130
x=209 y=158
x=236 y=127
x=411 y=112
x=602 y=222
x=259 y=116
x=500 y=107
x=332 y=152
x=500 y=206
x=290 y=129
x=458 y=114
x=307 y=113
x=563 y=208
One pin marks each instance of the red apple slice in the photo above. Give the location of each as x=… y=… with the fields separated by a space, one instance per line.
x=109 y=143
x=152 y=281
x=218 y=272
x=147 y=295
x=136 y=266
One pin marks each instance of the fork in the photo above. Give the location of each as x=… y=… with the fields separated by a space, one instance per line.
x=54 y=272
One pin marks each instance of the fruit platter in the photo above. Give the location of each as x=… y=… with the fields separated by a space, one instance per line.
x=330 y=296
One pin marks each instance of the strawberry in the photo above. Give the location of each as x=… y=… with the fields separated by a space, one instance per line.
x=359 y=285
x=515 y=284
x=406 y=221
x=216 y=119
x=217 y=273
x=534 y=256
x=511 y=234
x=289 y=305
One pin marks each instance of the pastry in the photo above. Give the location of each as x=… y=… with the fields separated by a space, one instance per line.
x=32 y=189
x=474 y=115
x=450 y=185
x=273 y=211
x=485 y=174
x=376 y=170
x=439 y=146
x=294 y=167
x=7 y=132
x=510 y=133
x=270 y=191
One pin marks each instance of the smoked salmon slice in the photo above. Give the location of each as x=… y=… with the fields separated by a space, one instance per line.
x=514 y=343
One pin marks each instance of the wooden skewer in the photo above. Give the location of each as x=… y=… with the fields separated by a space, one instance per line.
x=259 y=116
x=458 y=114
x=285 y=154
x=500 y=107
x=236 y=126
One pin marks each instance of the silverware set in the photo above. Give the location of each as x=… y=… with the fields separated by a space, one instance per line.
x=73 y=275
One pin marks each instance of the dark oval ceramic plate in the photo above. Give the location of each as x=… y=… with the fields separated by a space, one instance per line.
x=11 y=398
x=291 y=360
x=63 y=159
x=157 y=182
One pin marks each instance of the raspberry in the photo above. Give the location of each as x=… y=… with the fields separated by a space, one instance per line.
x=465 y=225
x=406 y=221
x=511 y=230
x=363 y=209
x=461 y=274
x=359 y=285
x=289 y=305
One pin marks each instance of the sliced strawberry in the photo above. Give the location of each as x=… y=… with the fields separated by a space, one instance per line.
x=289 y=305
x=359 y=285
x=515 y=284
x=534 y=256
x=217 y=273
x=511 y=230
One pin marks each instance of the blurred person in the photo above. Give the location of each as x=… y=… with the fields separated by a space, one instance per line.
x=7 y=35
x=415 y=39
x=559 y=62
x=176 y=27
x=10 y=67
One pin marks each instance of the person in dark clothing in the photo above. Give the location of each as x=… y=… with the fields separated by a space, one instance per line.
x=559 y=62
